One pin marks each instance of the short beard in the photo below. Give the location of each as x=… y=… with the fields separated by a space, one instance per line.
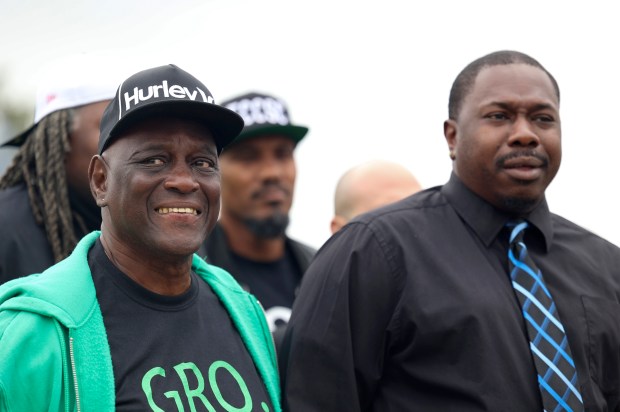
x=519 y=205
x=268 y=228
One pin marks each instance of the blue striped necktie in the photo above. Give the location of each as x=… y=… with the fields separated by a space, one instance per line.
x=557 y=376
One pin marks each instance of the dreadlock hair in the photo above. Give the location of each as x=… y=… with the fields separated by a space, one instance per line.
x=40 y=165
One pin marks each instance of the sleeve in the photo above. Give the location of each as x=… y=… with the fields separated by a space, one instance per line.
x=332 y=355
x=31 y=363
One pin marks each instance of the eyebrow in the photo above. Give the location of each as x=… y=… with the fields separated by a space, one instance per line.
x=166 y=146
x=535 y=108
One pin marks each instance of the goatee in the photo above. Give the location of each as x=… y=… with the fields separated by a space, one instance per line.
x=519 y=205
x=271 y=227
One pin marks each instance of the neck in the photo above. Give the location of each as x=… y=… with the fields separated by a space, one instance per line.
x=87 y=209
x=246 y=244
x=168 y=277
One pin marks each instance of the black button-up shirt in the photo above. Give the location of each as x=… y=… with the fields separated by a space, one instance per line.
x=410 y=308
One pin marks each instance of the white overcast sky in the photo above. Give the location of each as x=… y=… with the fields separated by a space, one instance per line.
x=370 y=78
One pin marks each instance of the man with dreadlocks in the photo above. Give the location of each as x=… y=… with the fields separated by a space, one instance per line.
x=45 y=200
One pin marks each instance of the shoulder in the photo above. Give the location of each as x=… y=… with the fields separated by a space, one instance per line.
x=24 y=247
x=302 y=253
x=414 y=214
x=418 y=205
x=302 y=248
x=17 y=326
x=15 y=204
x=391 y=233
x=22 y=336
x=15 y=193
x=569 y=232
x=53 y=292
x=16 y=217
x=214 y=274
x=14 y=196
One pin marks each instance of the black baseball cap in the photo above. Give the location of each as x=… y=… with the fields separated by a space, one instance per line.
x=166 y=90
x=264 y=114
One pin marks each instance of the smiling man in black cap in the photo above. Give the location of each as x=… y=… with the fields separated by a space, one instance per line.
x=133 y=319
x=258 y=182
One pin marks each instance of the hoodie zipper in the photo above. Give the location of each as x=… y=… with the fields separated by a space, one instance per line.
x=73 y=370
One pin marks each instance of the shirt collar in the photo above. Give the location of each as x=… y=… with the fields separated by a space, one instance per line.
x=487 y=221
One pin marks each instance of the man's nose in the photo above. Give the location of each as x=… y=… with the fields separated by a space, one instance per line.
x=523 y=133
x=181 y=179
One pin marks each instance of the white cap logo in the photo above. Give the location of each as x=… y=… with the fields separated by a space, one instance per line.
x=162 y=90
x=260 y=110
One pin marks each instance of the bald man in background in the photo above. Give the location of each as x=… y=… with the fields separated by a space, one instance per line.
x=368 y=186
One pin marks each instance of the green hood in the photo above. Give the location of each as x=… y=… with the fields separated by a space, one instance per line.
x=61 y=304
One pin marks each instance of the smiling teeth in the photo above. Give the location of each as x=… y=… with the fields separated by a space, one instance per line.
x=186 y=210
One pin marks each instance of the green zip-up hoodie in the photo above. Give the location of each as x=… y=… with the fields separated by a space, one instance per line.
x=54 y=352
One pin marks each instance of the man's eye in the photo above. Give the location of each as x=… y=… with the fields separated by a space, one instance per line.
x=153 y=161
x=544 y=118
x=246 y=157
x=286 y=153
x=204 y=164
x=497 y=116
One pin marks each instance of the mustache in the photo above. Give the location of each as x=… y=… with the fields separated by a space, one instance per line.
x=269 y=186
x=500 y=162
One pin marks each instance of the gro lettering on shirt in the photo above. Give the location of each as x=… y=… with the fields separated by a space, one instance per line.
x=197 y=394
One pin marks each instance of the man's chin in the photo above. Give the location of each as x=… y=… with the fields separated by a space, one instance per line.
x=270 y=227
x=519 y=205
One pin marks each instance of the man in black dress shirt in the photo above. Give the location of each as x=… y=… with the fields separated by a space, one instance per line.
x=411 y=307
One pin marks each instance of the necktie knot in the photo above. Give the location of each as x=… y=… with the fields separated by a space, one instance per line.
x=517 y=230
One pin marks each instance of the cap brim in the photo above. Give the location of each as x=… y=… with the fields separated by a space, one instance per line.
x=19 y=140
x=295 y=133
x=224 y=123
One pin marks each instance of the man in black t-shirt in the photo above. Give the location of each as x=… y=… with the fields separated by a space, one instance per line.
x=133 y=319
x=258 y=182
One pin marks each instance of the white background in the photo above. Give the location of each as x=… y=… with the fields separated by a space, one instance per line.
x=370 y=78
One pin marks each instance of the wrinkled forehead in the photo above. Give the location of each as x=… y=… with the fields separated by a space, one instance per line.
x=170 y=134
x=513 y=82
x=261 y=142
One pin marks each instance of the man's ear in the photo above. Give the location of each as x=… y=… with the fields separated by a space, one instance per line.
x=98 y=177
x=450 y=130
x=337 y=223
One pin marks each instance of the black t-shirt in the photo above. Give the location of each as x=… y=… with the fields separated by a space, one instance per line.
x=273 y=283
x=169 y=352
